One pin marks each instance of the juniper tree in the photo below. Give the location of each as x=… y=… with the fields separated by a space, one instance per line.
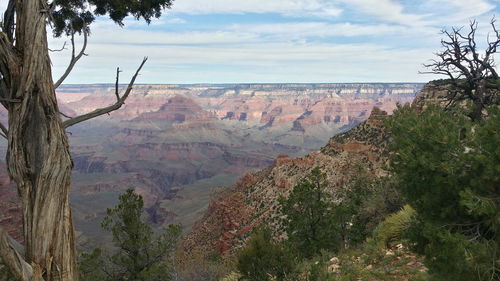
x=448 y=171
x=471 y=73
x=38 y=157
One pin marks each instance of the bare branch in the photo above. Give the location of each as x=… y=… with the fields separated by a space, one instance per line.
x=9 y=63
x=4 y=130
x=12 y=254
x=65 y=115
x=117 y=82
x=101 y=111
x=74 y=58
x=8 y=56
x=10 y=100
x=8 y=20
x=59 y=50
x=469 y=70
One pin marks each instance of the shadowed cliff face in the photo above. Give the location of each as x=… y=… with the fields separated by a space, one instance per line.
x=175 y=143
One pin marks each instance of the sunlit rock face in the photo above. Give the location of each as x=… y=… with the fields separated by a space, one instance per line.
x=254 y=199
x=175 y=143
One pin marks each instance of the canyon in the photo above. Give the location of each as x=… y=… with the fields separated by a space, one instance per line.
x=179 y=146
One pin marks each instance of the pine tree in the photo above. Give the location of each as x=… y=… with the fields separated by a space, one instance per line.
x=309 y=218
x=448 y=166
x=140 y=256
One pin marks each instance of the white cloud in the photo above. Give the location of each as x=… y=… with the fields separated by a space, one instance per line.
x=371 y=40
x=280 y=62
x=288 y=7
x=466 y=9
x=304 y=30
x=388 y=11
x=235 y=56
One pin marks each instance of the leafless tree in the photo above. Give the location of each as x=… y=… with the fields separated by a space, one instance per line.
x=38 y=158
x=471 y=74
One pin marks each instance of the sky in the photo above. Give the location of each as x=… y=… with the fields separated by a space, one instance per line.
x=275 y=41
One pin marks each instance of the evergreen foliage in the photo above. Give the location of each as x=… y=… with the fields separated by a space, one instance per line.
x=264 y=259
x=77 y=15
x=140 y=256
x=363 y=204
x=449 y=171
x=309 y=218
x=394 y=226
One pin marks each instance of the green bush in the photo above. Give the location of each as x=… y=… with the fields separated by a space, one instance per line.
x=394 y=226
x=364 y=204
x=449 y=171
x=309 y=219
x=264 y=259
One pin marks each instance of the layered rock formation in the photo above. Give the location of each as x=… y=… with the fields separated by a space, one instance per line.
x=254 y=199
x=174 y=143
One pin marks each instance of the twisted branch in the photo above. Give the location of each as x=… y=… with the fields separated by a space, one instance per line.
x=12 y=255
x=119 y=101
x=74 y=58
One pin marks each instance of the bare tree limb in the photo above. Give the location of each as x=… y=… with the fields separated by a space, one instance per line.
x=471 y=73
x=9 y=64
x=8 y=56
x=10 y=100
x=101 y=111
x=11 y=253
x=74 y=58
x=65 y=115
x=59 y=50
x=8 y=20
x=4 y=130
x=117 y=94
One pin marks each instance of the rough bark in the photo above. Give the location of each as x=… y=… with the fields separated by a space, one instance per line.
x=38 y=158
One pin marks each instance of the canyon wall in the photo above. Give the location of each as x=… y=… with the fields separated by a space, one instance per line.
x=175 y=143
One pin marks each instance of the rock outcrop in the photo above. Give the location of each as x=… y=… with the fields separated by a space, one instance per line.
x=254 y=199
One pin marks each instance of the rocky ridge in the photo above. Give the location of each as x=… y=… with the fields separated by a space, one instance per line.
x=233 y=214
x=174 y=143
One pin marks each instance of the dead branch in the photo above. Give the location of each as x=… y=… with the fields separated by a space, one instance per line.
x=101 y=111
x=471 y=72
x=8 y=56
x=117 y=94
x=4 y=130
x=74 y=58
x=8 y=20
x=59 y=50
x=65 y=115
x=9 y=63
x=11 y=253
x=3 y=91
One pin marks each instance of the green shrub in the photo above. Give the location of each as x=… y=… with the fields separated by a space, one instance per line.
x=264 y=259
x=309 y=219
x=449 y=172
x=393 y=227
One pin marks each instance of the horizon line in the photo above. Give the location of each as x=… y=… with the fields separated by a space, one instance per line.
x=243 y=83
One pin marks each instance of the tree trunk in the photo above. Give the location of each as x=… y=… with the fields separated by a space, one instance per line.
x=38 y=156
x=478 y=103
